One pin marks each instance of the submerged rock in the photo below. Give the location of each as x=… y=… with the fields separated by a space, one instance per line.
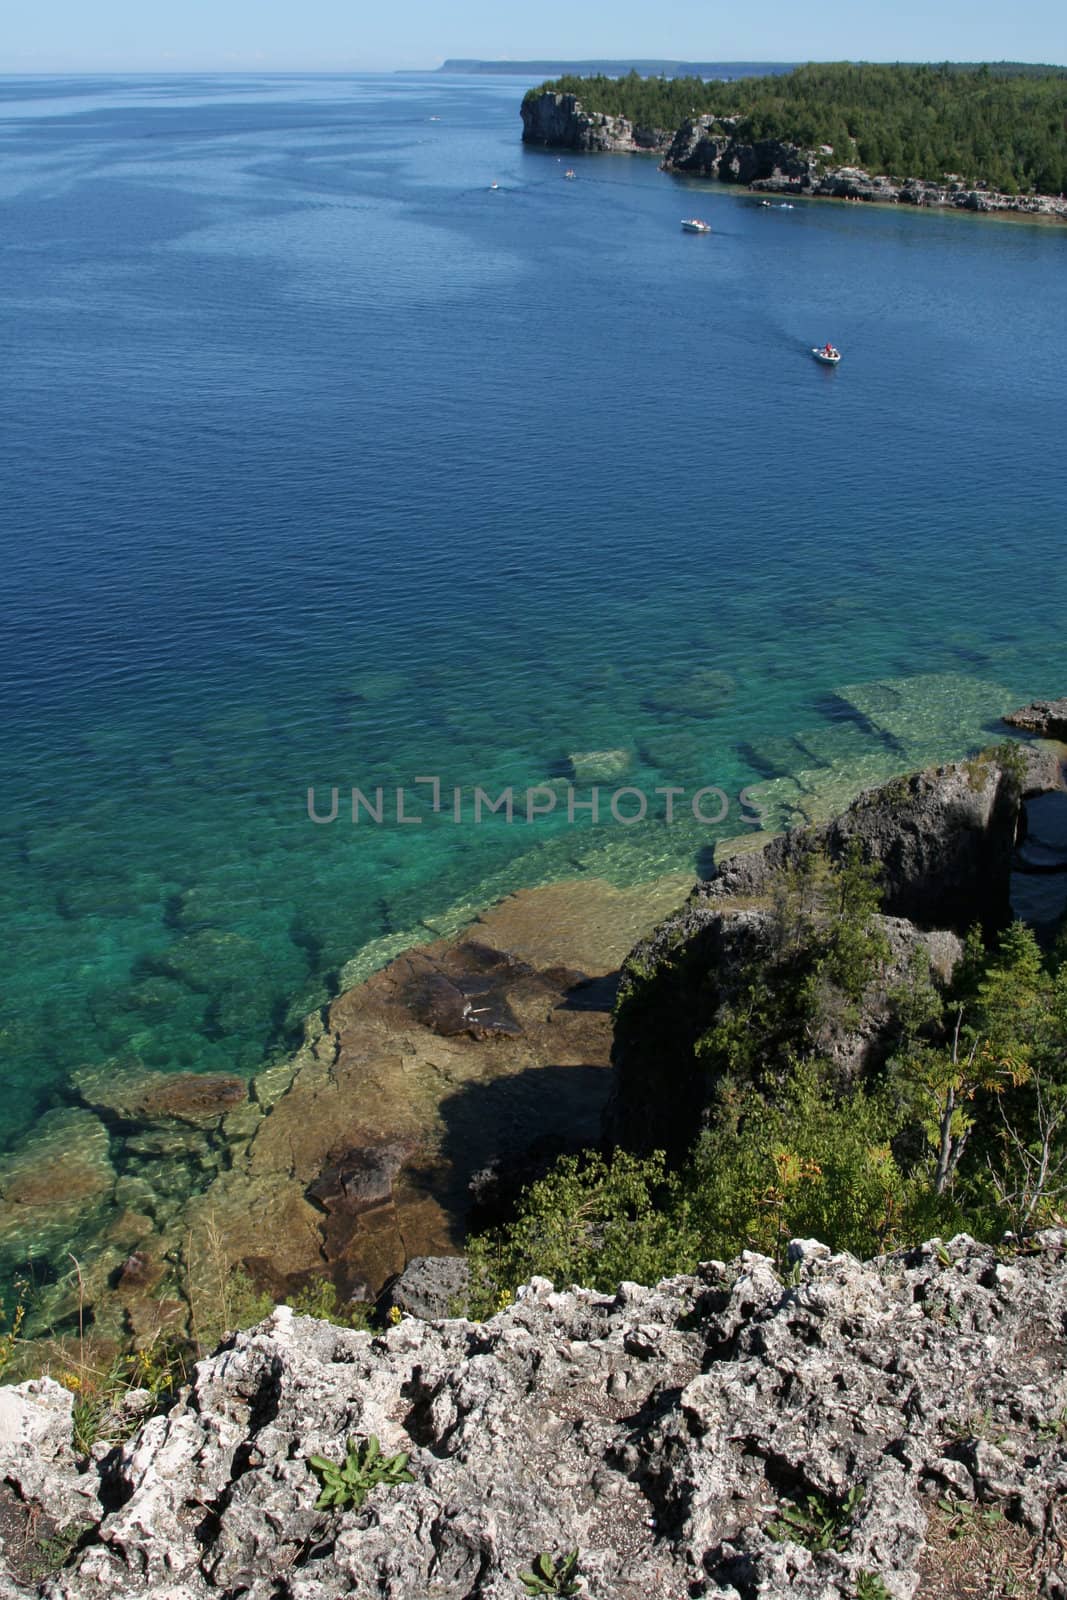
x=598 y=766
x=54 y=1187
x=353 y=1155
x=659 y=1432
x=131 y=1096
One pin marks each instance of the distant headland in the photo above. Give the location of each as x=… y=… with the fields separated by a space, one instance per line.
x=619 y=69
x=982 y=138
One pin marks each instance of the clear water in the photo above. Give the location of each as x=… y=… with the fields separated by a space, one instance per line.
x=324 y=463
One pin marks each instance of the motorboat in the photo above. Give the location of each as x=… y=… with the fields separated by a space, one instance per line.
x=570 y=173
x=694 y=225
x=827 y=354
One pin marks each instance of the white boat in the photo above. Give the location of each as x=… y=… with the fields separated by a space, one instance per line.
x=694 y=225
x=827 y=354
x=570 y=173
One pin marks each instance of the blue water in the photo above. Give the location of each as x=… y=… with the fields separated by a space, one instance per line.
x=325 y=464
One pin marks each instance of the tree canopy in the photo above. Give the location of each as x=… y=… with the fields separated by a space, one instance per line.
x=1001 y=124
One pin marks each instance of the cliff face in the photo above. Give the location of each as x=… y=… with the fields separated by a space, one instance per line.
x=561 y=122
x=708 y=147
x=944 y=841
x=663 y=1433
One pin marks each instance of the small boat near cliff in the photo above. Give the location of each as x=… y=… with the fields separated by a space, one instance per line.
x=827 y=354
x=694 y=225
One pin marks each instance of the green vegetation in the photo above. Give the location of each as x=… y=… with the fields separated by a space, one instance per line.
x=348 y=1482
x=319 y=1299
x=113 y=1398
x=827 y=948
x=962 y=1127
x=590 y=1221
x=551 y=1577
x=817 y=1522
x=1003 y=125
x=869 y=1586
x=965 y=1518
x=9 y=1337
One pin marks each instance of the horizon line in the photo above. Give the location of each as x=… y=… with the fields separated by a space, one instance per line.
x=250 y=69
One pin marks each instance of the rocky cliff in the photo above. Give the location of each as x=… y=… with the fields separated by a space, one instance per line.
x=891 y=1429
x=711 y=147
x=707 y=147
x=842 y=1432
x=561 y=122
x=944 y=842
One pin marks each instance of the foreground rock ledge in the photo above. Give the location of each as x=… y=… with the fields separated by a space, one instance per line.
x=657 y=1430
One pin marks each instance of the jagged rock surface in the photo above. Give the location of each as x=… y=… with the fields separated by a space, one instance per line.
x=561 y=122
x=658 y=1431
x=711 y=147
x=1046 y=717
x=943 y=841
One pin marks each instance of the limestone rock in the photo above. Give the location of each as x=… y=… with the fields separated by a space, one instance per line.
x=942 y=838
x=431 y=1287
x=561 y=122
x=1046 y=717
x=943 y=841
x=36 y=1420
x=658 y=1431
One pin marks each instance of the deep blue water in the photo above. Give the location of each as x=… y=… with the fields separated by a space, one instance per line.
x=325 y=463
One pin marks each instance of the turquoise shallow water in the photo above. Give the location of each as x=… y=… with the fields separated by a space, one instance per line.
x=326 y=464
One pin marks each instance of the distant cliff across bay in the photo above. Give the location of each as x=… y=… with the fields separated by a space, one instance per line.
x=619 y=69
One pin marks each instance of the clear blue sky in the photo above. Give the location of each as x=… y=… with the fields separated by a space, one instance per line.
x=341 y=35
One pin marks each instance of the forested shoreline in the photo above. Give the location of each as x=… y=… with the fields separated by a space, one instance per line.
x=1001 y=125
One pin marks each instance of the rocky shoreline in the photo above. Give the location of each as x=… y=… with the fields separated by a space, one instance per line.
x=477 y=1058
x=831 y=1430
x=350 y=1157
x=708 y=147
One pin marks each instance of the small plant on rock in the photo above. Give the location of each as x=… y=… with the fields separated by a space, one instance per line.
x=1053 y=1427
x=551 y=1577
x=966 y=1518
x=348 y=1482
x=104 y=1394
x=320 y=1299
x=816 y=1522
x=9 y=1338
x=869 y=1586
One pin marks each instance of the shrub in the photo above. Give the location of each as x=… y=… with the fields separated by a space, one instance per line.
x=590 y=1221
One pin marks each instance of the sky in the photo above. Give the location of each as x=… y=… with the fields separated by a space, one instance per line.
x=369 y=35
